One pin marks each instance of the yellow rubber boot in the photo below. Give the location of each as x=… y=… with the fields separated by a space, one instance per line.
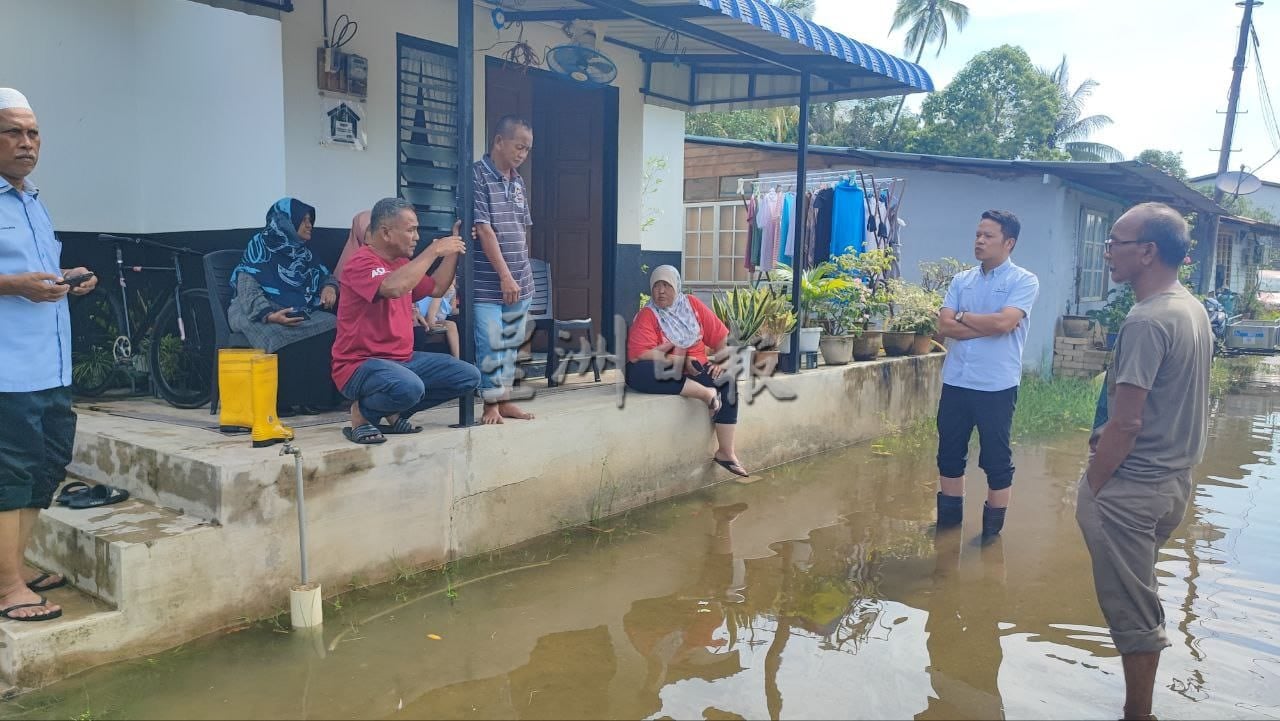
x=235 y=389
x=267 y=428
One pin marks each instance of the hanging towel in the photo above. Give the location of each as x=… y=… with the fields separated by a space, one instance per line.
x=770 y=214
x=849 y=220
x=787 y=247
x=823 y=206
x=752 y=257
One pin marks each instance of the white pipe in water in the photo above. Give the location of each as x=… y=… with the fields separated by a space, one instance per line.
x=306 y=608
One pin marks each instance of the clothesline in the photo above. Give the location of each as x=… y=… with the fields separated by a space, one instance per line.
x=840 y=211
x=786 y=181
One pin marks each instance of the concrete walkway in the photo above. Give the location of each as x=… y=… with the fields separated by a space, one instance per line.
x=210 y=537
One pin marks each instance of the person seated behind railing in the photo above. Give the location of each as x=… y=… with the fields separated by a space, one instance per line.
x=374 y=362
x=670 y=337
x=432 y=316
x=284 y=302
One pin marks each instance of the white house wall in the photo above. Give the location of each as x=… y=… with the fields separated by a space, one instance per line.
x=942 y=211
x=157 y=115
x=664 y=138
x=341 y=182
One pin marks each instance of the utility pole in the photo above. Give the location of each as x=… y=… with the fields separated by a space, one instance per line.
x=1233 y=99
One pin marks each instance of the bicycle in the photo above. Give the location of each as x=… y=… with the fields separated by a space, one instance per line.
x=175 y=344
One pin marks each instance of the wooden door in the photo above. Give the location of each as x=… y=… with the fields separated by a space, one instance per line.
x=568 y=141
x=508 y=91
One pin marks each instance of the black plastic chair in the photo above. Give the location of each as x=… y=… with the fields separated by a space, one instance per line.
x=542 y=315
x=217 y=277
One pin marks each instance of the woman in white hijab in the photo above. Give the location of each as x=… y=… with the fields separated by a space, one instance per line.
x=667 y=354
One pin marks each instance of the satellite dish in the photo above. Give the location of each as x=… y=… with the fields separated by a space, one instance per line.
x=1238 y=182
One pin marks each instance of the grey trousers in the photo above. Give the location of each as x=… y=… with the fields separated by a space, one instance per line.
x=1124 y=526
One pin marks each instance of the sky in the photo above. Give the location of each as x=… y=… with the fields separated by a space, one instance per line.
x=1164 y=66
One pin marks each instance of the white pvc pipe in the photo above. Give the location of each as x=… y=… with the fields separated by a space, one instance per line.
x=306 y=609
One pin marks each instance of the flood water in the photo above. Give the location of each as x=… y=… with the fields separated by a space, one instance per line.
x=816 y=592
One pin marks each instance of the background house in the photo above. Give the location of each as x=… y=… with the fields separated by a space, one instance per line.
x=1267 y=197
x=1066 y=209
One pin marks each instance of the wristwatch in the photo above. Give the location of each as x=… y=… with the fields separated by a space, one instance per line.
x=960 y=317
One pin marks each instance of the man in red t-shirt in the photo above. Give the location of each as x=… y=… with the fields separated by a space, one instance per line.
x=374 y=363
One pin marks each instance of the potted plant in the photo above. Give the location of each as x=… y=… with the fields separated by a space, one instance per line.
x=871 y=295
x=779 y=320
x=916 y=314
x=1112 y=315
x=743 y=311
x=936 y=277
x=1075 y=325
x=845 y=319
x=818 y=285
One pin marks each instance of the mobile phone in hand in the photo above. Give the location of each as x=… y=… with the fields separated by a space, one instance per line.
x=76 y=280
x=298 y=313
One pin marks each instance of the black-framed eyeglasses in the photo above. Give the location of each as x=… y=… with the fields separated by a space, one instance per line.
x=1108 y=244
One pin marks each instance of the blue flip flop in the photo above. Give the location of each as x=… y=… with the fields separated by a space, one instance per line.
x=99 y=495
x=71 y=490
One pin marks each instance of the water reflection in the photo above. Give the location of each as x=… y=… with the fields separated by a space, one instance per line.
x=819 y=591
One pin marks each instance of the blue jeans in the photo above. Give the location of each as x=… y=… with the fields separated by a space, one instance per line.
x=499 y=333
x=388 y=388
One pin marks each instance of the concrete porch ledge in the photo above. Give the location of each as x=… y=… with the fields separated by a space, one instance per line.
x=220 y=541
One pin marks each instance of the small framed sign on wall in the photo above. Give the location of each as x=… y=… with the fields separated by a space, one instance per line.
x=343 y=123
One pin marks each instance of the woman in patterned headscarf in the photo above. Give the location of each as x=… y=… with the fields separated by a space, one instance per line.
x=667 y=354
x=284 y=303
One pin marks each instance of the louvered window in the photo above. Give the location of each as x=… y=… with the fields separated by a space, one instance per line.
x=428 y=128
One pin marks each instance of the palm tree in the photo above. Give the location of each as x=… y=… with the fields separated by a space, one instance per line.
x=803 y=8
x=927 y=24
x=1071 y=131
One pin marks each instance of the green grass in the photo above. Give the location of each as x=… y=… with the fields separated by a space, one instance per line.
x=1057 y=405
x=1230 y=374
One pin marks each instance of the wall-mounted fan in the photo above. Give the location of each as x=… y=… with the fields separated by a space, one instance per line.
x=579 y=60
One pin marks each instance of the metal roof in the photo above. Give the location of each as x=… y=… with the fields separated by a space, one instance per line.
x=731 y=54
x=1130 y=181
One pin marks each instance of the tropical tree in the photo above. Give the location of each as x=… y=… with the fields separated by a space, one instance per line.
x=1072 y=128
x=1167 y=160
x=927 y=23
x=803 y=8
x=998 y=106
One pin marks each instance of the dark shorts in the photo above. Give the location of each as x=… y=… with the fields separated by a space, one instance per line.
x=37 y=433
x=642 y=377
x=960 y=410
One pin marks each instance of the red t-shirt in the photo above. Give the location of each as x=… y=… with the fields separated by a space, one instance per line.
x=370 y=326
x=646 y=334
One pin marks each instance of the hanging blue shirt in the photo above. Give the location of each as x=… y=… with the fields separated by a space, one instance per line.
x=849 y=220
x=35 y=354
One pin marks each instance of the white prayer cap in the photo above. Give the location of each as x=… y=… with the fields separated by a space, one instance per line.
x=10 y=98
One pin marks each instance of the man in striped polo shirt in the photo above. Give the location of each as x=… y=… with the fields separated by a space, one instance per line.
x=504 y=278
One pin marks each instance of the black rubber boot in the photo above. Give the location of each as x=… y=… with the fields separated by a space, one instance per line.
x=992 y=521
x=950 y=510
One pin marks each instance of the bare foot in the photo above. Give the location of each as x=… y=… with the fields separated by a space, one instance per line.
x=492 y=416
x=511 y=410
x=24 y=595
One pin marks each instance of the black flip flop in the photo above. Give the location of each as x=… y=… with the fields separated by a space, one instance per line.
x=38 y=617
x=34 y=584
x=365 y=435
x=734 y=468
x=99 y=495
x=71 y=490
x=401 y=427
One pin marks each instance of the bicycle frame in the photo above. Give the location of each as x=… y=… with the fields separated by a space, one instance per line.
x=121 y=268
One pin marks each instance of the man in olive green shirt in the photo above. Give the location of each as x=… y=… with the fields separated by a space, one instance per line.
x=1138 y=482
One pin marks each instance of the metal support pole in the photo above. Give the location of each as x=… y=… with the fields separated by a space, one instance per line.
x=1233 y=98
x=797 y=219
x=466 y=193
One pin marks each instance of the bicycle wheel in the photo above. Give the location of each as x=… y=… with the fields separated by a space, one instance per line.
x=183 y=367
x=96 y=320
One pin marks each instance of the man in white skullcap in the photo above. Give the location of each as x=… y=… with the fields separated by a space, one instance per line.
x=37 y=425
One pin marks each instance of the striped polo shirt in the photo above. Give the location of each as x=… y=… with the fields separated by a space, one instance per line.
x=503 y=204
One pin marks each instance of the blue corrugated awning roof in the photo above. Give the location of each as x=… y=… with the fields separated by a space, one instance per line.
x=822 y=39
x=732 y=54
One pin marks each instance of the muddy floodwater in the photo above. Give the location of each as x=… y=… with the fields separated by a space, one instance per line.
x=817 y=591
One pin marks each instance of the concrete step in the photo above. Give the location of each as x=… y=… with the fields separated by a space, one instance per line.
x=33 y=652
x=120 y=561
x=92 y=547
